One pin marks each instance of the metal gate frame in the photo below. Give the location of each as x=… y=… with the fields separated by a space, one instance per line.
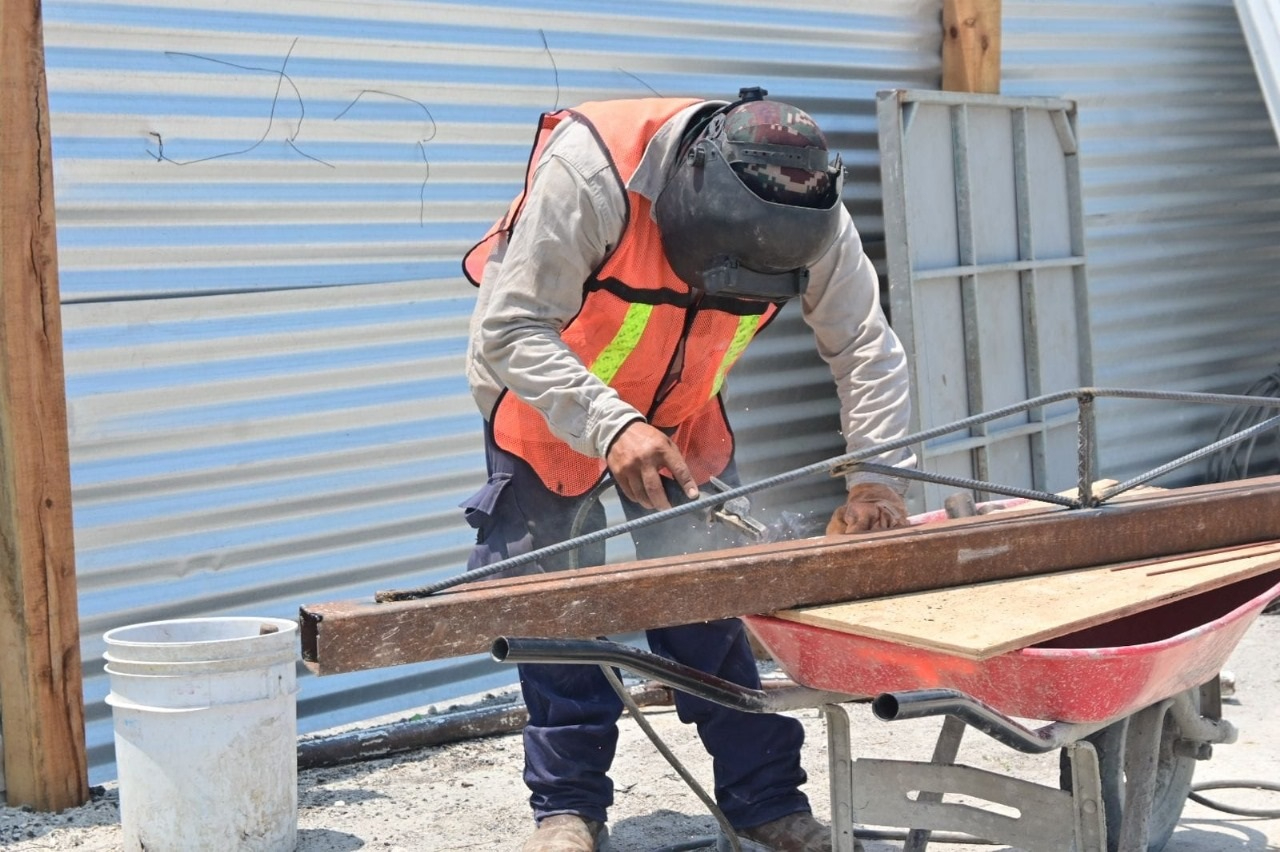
x=911 y=238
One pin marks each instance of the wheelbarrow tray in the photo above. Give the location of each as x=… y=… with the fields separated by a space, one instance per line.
x=1104 y=672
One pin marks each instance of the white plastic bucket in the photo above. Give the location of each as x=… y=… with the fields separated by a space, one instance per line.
x=206 y=734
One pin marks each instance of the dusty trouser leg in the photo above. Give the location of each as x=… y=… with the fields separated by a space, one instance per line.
x=756 y=757
x=570 y=739
x=571 y=736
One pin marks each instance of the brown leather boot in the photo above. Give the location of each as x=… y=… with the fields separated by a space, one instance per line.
x=567 y=833
x=798 y=832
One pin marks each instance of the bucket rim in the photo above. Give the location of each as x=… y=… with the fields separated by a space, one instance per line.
x=284 y=626
x=284 y=658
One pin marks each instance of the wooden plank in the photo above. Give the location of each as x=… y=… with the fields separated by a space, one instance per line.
x=41 y=702
x=1033 y=609
x=971 y=46
x=610 y=599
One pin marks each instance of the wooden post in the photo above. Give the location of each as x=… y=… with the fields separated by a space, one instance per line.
x=41 y=696
x=971 y=46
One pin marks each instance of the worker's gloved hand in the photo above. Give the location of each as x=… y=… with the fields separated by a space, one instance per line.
x=870 y=506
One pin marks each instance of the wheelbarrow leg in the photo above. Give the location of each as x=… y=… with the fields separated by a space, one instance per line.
x=944 y=752
x=1141 y=759
x=840 y=763
x=1086 y=797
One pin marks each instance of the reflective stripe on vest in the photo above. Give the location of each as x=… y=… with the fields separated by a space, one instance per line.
x=747 y=327
x=609 y=361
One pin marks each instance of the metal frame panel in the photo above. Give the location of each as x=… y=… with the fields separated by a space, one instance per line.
x=987 y=286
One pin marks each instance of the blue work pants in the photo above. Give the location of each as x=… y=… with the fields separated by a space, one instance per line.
x=572 y=733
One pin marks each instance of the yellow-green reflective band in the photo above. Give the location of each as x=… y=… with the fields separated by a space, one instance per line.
x=741 y=337
x=610 y=359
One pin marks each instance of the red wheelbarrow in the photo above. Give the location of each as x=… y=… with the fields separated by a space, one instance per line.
x=1130 y=705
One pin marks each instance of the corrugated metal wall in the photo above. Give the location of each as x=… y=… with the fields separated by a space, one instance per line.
x=1181 y=175
x=261 y=212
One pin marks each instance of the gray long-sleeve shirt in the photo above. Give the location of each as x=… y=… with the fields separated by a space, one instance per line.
x=573 y=215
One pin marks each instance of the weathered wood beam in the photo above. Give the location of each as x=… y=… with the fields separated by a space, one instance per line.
x=611 y=599
x=971 y=46
x=41 y=703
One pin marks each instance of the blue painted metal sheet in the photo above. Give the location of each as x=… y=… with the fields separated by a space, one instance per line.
x=262 y=210
x=1181 y=174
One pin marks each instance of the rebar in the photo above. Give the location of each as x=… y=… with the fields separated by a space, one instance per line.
x=844 y=464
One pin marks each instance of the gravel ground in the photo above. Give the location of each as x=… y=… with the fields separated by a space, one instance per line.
x=468 y=795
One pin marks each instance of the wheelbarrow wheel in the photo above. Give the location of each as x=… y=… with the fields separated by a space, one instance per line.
x=1173 y=780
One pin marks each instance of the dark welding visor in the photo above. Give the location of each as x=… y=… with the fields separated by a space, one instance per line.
x=722 y=238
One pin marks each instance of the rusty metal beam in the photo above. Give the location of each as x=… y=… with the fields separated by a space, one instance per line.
x=610 y=599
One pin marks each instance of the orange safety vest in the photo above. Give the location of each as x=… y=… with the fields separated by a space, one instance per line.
x=635 y=315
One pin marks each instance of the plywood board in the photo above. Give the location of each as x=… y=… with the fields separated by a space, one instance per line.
x=981 y=621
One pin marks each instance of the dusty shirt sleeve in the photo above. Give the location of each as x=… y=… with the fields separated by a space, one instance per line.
x=573 y=216
x=842 y=306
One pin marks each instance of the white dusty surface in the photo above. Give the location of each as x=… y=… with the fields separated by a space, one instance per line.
x=468 y=795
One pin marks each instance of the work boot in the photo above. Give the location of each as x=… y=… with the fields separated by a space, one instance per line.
x=797 y=832
x=568 y=833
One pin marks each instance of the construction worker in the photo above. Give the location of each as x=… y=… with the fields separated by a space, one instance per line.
x=653 y=240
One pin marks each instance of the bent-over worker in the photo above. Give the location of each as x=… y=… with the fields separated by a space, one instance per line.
x=653 y=240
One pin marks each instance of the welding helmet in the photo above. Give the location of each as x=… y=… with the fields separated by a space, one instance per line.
x=752 y=202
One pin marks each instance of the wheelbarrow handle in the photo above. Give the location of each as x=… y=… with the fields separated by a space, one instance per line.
x=919 y=703
x=514 y=649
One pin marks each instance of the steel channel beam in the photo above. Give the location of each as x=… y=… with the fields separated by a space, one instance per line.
x=615 y=599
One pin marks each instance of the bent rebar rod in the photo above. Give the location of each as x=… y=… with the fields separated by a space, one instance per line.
x=843 y=464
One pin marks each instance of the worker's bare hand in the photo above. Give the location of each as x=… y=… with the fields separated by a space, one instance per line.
x=636 y=459
x=870 y=506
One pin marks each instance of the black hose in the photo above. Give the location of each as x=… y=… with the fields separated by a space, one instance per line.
x=1265 y=813
x=709 y=843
